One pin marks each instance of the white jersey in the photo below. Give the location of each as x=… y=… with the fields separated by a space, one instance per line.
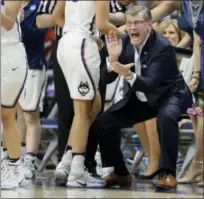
x=80 y=17
x=12 y=36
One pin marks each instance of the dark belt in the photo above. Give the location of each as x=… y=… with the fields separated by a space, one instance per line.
x=58 y=37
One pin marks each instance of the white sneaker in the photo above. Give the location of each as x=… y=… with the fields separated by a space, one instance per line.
x=4 y=155
x=78 y=177
x=29 y=166
x=4 y=166
x=85 y=179
x=13 y=177
x=63 y=169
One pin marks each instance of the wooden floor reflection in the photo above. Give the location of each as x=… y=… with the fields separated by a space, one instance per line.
x=44 y=187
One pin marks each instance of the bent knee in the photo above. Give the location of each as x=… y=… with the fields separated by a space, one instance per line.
x=31 y=117
x=169 y=116
x=8 y=116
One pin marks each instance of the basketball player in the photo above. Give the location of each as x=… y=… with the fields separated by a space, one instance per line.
x=13 y=76
x=31 y=97
x=79 y=58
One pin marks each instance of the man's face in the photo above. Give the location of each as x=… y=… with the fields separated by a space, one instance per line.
x=138 y=28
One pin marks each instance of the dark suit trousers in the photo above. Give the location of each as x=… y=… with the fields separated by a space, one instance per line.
x=108 y=125
x=66 y=113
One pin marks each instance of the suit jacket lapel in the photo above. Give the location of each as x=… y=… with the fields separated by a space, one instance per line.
x=131 y=55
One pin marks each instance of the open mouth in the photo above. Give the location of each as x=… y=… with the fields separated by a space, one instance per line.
x=135 y=35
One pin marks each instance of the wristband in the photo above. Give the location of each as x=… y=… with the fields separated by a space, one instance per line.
x=196 y=71
x=129 y=77
x=195 y=77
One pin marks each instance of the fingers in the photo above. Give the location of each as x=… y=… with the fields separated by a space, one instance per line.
x=114 y=65
x=120 y=68
x=125 y=66
x=100 y=43
x=111 y=36
x=130 y=65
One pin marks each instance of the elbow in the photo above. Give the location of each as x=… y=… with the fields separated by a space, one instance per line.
x=170 y=5
x=174 y=5
x=147 y=86
x=38 y=23
x=9 y=26
x=147 y=89
x=101 y=26
x=56 y=19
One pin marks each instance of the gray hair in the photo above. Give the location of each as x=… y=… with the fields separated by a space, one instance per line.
x=135 y=10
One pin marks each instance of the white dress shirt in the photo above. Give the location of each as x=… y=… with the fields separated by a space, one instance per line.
x=141 y=96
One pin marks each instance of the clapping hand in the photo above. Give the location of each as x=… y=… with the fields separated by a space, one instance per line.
x=121 y=69
x=114 y=45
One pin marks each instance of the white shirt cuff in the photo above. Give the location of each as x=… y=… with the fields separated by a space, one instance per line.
x=131 y=82
x=108 y=65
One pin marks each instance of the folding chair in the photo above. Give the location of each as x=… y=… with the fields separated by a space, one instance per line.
x=53 y=143
x=187 y=129
x=139 y=155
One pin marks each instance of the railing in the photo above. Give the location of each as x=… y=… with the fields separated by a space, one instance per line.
x=187 y=53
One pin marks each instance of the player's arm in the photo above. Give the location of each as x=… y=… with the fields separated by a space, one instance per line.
x=102 y=18
x=58 y=14
x=44 y=21
x=12 y=9
x=185 y=42
x=117 y=18
x=164 y=9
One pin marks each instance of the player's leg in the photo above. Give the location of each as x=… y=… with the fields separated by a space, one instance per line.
x=30 y=103
x=22 y=129
x=82 y=76
x=14 y=72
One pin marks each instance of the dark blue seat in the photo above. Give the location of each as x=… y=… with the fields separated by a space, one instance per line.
x=49 y=123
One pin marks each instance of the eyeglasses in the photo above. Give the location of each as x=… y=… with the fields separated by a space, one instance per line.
x=136 y=23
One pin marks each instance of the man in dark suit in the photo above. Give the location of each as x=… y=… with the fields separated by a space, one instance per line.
x=156 y=89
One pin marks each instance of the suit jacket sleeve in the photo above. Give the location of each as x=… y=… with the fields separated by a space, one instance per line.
x=109 y=77
x=157 y=71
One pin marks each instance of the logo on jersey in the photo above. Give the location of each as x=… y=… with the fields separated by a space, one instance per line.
x=33 y=7
x=83 y=88
x=13 y=69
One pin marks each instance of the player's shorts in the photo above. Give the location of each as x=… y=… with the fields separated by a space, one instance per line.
x=13 y=73
x=31 y=97
x=79 y=58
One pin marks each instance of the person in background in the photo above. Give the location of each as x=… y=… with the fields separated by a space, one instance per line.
x=82 y=80
x=13 y=77
x=31 y=97
x=193 y=12
x=44 y=19
x=169 y=28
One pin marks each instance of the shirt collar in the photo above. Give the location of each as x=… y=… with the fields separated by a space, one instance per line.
x=142 y=45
